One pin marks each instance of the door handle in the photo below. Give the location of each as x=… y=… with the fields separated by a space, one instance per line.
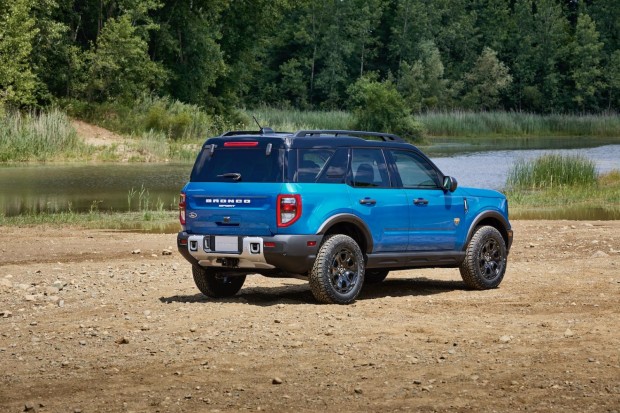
x=367 y=201
x=420 y=201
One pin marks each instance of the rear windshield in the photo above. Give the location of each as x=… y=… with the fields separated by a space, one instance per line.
x=238 y=165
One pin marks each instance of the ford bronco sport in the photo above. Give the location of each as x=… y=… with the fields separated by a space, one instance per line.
x=338 y=208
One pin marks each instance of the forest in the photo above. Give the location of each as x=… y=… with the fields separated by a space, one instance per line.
x=546 y=56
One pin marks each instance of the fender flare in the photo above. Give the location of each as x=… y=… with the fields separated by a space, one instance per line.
x=349 y=219
x=482 y=216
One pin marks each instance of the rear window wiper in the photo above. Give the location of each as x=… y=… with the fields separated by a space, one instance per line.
x=235 y=176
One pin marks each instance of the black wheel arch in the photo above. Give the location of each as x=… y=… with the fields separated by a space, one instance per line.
x=351 y=225
x=492 y=219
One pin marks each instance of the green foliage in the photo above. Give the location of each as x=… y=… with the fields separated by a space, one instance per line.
x=120 y=66
x=552 y=171
x=472 y=124
x=44 y=136
x=422 y=83
x=18 y=83
x=484 y=83
x=171 y=118
x=543 y=56
x=377 y=106
x=586 y=72
x=291 y=120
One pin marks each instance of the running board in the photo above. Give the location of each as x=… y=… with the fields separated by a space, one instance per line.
x=405 y=260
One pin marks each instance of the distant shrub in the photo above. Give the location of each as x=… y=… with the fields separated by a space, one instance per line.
x=377 y=106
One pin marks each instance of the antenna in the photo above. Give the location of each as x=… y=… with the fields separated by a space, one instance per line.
x=256 y=120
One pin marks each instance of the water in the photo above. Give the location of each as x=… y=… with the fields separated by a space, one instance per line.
x=82 y=187
x=490 y=169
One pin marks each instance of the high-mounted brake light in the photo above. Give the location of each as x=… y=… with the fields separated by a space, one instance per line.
x=241 y=144
x=288 y=209
x=182 y=208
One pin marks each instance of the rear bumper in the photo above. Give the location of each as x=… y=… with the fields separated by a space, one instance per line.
x=289 y=253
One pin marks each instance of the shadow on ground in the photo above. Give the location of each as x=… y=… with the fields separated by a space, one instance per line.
x=301 y=294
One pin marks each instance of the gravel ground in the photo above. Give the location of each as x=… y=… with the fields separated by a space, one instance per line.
x=98 y=321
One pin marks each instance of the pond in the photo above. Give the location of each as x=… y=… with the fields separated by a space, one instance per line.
x=123 y=187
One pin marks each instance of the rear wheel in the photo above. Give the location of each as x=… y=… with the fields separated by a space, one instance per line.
x=485 y=259
x=216 y=284
x=338 y=272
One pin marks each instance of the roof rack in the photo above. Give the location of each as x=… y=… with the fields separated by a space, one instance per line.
x=387 y=137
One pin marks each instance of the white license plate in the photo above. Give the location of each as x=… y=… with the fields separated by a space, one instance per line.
x=226 y=244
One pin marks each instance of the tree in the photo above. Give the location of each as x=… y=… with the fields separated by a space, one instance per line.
x=422 y=83
x=586 y=72
x=612 y=77
x=378 y=106
x=18 y=82
x=120 y=66
x=484 y=83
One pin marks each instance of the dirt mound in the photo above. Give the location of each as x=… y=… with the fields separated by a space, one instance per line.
x=96 y=135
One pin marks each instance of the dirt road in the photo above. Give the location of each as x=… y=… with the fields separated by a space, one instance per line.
x=88 y=326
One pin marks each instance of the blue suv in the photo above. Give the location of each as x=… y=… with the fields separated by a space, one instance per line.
x=338 y=208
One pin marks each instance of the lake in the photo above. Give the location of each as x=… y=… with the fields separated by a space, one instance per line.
x=119 y=187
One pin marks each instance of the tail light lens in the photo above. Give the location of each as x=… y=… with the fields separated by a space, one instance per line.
x=289 y=209
x=182 y=209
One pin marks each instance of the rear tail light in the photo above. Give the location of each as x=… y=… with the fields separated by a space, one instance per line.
x=289 y=209
x=182 y=208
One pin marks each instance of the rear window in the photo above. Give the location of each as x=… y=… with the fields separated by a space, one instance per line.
x=244 y=164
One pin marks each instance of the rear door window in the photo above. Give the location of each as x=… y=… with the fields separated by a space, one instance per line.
x=369 y=169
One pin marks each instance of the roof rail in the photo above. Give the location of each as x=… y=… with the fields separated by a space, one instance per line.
x=387 y=137
x=262 y=131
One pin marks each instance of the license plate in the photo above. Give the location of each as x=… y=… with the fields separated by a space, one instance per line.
x=226 y=244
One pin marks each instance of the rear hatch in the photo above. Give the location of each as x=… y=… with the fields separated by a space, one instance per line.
x=234 y=186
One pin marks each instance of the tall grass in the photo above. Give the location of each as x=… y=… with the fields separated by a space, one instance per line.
x=468 y=124
x=174 y=119
x=290 y=120
x=552 y=171
x=453 y=124
x=38 y=136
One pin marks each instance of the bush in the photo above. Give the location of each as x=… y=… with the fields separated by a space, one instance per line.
x=377 y=106
x=177 y=120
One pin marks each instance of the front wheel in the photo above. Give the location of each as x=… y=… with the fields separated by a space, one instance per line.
x=216 y=284
x=485 y=259
x=338 y=272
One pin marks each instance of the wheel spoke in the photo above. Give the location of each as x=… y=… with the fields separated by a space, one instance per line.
x=343 y=271
x=490 y=260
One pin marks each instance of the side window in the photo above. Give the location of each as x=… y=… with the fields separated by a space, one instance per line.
x=414 y=171
x=310 y=162
x=368 y=168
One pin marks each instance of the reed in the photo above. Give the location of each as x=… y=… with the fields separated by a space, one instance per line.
x=485 y=124
x=41 y=136
x=290 y=120
x=552 y=171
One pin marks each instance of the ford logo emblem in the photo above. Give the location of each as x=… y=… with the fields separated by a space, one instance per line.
x=193 y=215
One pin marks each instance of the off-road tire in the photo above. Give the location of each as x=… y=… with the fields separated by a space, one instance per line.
x=215 y=284
x=485 y=259
x=375 y=276
x=337 y=275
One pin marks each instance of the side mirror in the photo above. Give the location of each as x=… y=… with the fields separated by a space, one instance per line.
x=449 y=184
